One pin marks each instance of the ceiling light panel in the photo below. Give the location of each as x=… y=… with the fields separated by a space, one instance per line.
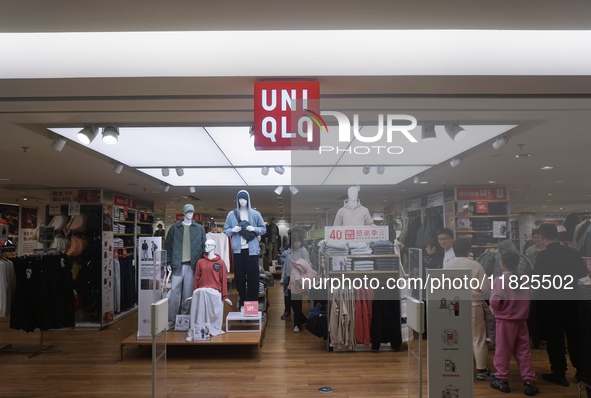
x=354 y=176
x=158 y=146
x=239 y=149
x=199 y=177
x=253 y=176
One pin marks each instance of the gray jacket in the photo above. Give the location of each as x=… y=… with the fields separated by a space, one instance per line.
x=174 y=244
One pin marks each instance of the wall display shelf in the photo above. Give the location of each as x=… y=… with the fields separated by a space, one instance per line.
x=482 y=215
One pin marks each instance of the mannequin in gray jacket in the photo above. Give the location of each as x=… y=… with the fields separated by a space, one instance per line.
x=184 y=245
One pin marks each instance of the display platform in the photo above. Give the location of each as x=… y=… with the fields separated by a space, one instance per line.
x=178 y=338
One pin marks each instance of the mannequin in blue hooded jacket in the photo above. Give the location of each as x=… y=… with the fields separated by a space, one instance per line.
x=243 y=225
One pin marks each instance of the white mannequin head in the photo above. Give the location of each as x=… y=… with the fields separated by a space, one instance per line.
x=243 y=202
x=188 y=217
x=353 y=194
x=209 y=246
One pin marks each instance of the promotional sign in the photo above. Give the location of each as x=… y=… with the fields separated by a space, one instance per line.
x=251 y=308
x=123 y=201
x=449 y=323
x=285 y=114
x=369 y=233
x=151 y=260
x=181 y=216
x=482 y=207
x=474 y=194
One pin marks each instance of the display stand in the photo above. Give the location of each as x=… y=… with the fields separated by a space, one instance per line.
x=238 y=322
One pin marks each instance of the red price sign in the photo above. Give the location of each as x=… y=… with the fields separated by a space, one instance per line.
x=481 y=207
x=251 y=308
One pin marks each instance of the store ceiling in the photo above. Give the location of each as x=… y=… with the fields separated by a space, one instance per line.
x=552 y=113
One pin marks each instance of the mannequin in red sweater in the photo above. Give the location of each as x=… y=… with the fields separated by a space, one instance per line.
x=210 y=289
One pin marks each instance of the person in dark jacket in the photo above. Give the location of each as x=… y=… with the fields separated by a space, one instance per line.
x=558 y=307
x=184 y=245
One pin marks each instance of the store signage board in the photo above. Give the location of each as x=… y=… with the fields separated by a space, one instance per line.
x=482 y=193
x=449 y=346
x=284 y=113
x=369 y=233
x=435 y=199
x=123 y=201
x=86 y=196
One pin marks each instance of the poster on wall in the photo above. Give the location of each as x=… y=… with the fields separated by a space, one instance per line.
x=499 y=229
x=150 y=262
x=9 y=217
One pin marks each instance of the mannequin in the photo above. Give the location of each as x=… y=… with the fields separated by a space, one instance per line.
x=184 y=245
x=243 y=225
x=210 y=288
x=352 y=213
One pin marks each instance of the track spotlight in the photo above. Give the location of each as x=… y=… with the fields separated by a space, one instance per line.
x=192 y=189
x=165 y=172
x=455 y=162
x=279 y=189
x=118 y=168
x=428 y=132
x=417 y=180
x=166 y=188
x=455 y=132
x=293 y=190
x=59 y=144
x=279 y=170
x=180 y=172
x=500 y=142
x=381 y=170
x=265 y=170
x=87 y=134
x=366 y=169
x=110 y=135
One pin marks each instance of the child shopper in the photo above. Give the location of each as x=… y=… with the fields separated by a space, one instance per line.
x=511 y=305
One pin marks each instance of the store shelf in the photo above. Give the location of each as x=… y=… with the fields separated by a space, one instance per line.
x=470 y=231
x=124 y=221
x=487 y=216
x=123 y=234
x=144 y=223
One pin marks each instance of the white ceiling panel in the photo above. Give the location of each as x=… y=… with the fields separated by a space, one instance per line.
x=199 y=177
x=355 y=176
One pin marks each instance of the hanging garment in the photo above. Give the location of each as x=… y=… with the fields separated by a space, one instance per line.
x=207 y=308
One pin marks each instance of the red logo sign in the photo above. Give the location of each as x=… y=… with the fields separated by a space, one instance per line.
x=481 y=193
x=284 y=115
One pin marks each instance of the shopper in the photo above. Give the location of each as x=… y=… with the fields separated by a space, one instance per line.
x=536 y=245
x=294 y=302
x=559 y=308
x=445 y=237
x=511 y=304
x=461 y=248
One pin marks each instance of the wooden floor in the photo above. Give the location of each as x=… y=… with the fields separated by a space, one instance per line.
x=289 y=364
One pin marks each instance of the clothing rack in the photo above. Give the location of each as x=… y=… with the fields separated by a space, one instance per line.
x=42 y=348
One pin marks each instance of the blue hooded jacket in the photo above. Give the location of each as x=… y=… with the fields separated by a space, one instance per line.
x=254 y=218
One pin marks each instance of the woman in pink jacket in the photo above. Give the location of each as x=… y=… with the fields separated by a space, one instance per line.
x=511 y=305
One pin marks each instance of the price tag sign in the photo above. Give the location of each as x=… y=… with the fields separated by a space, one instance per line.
x=54 y=210
x=251 y=308
x=74 y=209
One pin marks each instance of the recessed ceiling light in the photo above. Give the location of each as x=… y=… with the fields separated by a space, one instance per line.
x=424 y=182
x=548 y=168
x=523 y=155
x=549 y=194
x=559 y=181
x=491 y=181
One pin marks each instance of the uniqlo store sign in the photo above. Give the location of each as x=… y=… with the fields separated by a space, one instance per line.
x=283 y=113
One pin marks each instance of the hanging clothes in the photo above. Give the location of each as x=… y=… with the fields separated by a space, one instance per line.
x=44 y=293
x=7 y=286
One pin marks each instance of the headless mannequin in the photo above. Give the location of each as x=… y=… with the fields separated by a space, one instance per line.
x=353 y=213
